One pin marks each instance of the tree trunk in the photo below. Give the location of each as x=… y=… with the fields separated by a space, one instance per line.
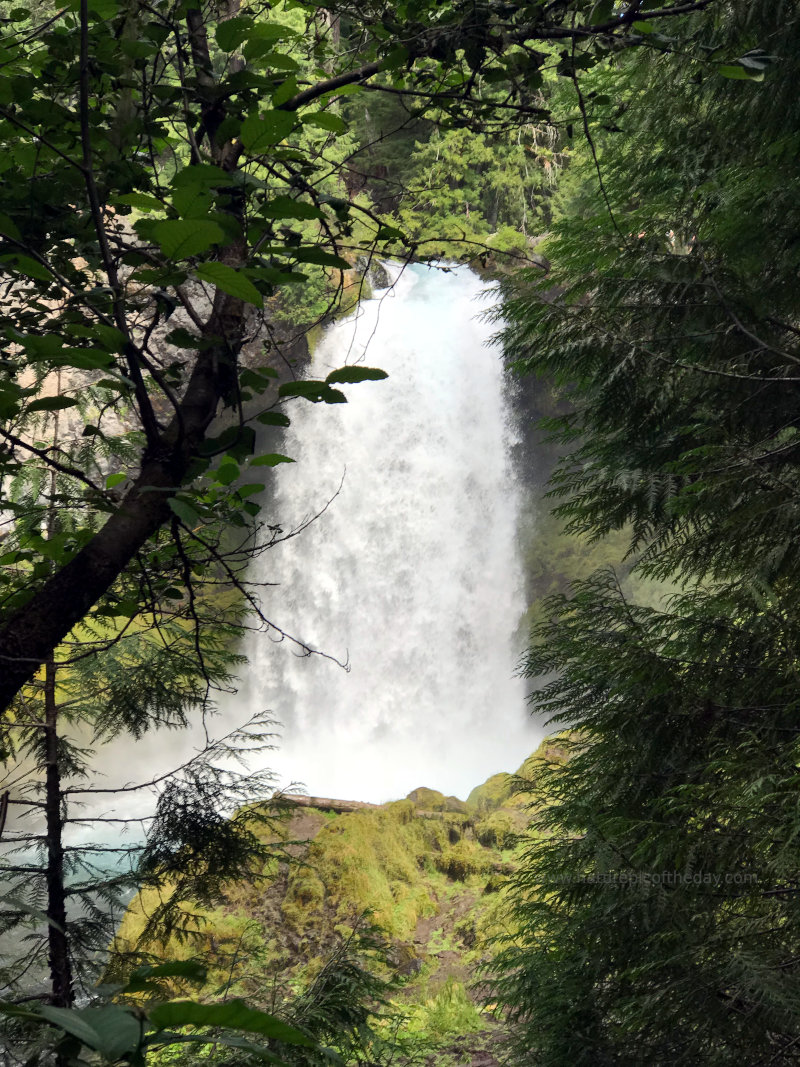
x=61 y=989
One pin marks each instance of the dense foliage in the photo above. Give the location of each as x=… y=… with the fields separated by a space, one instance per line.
x=172 y=174
x=658 y=914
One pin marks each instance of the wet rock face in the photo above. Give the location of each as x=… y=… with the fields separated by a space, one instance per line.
x=378 y=276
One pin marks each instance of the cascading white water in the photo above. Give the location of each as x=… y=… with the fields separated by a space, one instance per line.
x=412 y=571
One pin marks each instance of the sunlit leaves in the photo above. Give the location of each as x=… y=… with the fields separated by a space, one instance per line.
x=232 y=32
x=325 y=120
x=260 y=132
x=233 y=282
x=285 y=207
x=180 y=239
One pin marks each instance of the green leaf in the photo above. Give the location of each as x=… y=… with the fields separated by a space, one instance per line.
x=325 y=120
x=32 y=268
x=260 y=132
x=233 y=1015
x=9 y=228
x=82 y=358
x=352 y=375
x=739 y=73
x=270 y=460
x=284 y=207
x=115 y=479
x=110 y=1030
x=601 y=12
x=141 y=201
x=227 y=472
x=321 y=257
x=279 y=277
x=179 y=238
x=230 y=281
x=397 y=58
x=314 y=391
x=182 y=338
x=273 y=418
x=238 y=441
x=232 y=32
x=285 y=91
x=52 y=403
x=390 y=233
x=184 y=510
x=164 y=1039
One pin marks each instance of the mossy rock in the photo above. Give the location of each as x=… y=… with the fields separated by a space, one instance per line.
x=463 y=859
x=425 y=799
x=494 y=793
x=497 y=830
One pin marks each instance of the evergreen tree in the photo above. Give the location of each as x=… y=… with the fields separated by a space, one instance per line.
x=657 y=910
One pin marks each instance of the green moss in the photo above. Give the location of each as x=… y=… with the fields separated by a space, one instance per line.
x=432 y=800
x=494 y=792
x=497 y=830
x=463 y=859
x=449 y=1013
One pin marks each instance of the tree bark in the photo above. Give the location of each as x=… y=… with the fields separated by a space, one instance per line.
x=61 y=988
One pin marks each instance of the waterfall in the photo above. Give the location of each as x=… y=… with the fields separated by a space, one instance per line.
x=411 y=572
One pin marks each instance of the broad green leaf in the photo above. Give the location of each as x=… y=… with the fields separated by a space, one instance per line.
x=83 y=358
x=739 y=73
x=601 y=12
x=261 y=52
x=232 y=32
x=259 y=378
x=279 y=277
x=325 y=120
x=141 y=201
x=352 y=375
x=202 y=176
x=285 y=92
x=9 y=227
x=233 y=1015
x=179 y=238
x=164 y=1039
x=390 y=233
x=192 y=201
x=314 y=391
x=230 y=281
x=273 y=418
x=110 y=1030
x=182 y=338
x=184 y=510
x=227 y=472
x=115 y=479
x=238 y=441
x=284 y=207
x=321 y=257
x=26 y=265
x=260 y=132
x=397 y=58
x=270 y=460
x=52 y=403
